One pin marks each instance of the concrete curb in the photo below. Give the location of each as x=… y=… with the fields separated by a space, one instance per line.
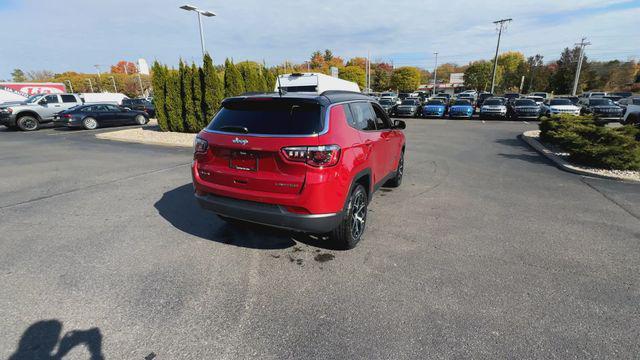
x=120 y=136
x=531 y=138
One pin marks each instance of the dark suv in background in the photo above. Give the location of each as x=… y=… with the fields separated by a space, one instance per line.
x=140 y=104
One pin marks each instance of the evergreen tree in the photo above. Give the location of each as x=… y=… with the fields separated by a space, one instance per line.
x=18 y=75
x=270 y=80
x=253 y=80
x=212 y=89
x=159 y=83
x=233 y=83
x=196 y=91
x=174 y=102
x=186 y=92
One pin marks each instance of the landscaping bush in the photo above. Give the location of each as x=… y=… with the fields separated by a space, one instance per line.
x=593 y=145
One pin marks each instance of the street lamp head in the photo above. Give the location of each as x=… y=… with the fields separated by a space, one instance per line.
x=188 y=7
x=207 y=13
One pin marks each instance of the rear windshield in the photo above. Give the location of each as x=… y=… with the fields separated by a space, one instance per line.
x=525 y=103
x=410 y=102
x=493 y=102
x=511 y=96
x=270 y=117
x=387 y=102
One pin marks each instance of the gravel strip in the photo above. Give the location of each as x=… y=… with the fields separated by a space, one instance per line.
x=150 y=134
x=564 y=162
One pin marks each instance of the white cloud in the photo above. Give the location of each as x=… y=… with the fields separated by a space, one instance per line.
x=76 y=34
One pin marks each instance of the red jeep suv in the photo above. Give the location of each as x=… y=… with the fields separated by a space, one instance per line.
x=303 y=162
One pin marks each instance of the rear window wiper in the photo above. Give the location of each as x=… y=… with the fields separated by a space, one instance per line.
x=235 y=129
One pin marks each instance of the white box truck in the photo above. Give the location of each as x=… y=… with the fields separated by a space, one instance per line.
x=313 y=82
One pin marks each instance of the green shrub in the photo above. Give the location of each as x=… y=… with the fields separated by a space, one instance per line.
x=593 y=145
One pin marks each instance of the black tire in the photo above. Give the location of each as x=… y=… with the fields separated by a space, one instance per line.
x=90 y=123
x=396 y=181
x=141 y=120
x=350 y=231
x=27 y=123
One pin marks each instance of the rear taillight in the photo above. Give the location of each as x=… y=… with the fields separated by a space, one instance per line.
x=66 y=116
x=320 y=156
x=200 y=145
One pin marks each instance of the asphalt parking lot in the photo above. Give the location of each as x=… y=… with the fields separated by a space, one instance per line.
x=486 y=251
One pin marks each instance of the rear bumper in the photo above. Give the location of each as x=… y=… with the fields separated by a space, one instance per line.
x=269 y=214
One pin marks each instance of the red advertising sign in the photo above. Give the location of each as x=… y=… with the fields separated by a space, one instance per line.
x=19 y=91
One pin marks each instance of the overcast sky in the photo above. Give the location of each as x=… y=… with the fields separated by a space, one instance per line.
x=76 y=34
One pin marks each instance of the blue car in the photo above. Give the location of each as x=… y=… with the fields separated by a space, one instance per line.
x=434 y=108
x=461 y=109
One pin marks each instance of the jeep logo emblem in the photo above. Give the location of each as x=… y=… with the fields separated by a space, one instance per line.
x=240 y=141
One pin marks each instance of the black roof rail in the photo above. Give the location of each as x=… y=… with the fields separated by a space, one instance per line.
x=251 y=93
x=340 y=92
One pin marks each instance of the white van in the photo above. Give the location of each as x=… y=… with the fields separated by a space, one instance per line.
x=313 y=82
x=103 y=98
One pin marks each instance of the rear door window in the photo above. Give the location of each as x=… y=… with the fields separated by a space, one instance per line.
x=363 y=116
x=269 y=117
x=68 y=98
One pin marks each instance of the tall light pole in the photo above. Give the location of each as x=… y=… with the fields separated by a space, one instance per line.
x=435 y=75
x=582 y=45
x=495 y=59
x=200 y=13
x=113 y=81
x=90 y=85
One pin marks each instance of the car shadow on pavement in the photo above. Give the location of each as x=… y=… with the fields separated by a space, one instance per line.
x=41 y=338
x=529 y=154
x=180 y=208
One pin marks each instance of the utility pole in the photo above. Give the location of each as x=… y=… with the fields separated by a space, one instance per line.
x=368 y=68
x=495 y=59
x=435 y=75
x=140 y=82
x=582 y=45
x=113 y=80
x=70 y=86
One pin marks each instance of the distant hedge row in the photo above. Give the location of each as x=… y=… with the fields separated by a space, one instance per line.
x=186 y=99
x=591 y=144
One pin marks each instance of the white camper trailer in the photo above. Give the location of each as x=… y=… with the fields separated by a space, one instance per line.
x=313 y=82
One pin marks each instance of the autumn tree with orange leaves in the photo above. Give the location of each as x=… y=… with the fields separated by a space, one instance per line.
x=124 y=67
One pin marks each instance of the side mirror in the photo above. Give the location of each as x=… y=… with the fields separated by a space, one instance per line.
x=42 y=102
x=399 y=124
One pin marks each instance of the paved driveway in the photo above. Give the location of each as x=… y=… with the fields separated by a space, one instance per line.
x=486 y=251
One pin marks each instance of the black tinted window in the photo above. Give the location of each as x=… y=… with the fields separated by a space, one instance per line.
x=493 y=102
x=363 y=116
x=462 y=103
x=560 y=102
x=435 y=102
x=51 y=99
x=68 y=98
x=600 y=102
x=271 y=116
x=525 y=103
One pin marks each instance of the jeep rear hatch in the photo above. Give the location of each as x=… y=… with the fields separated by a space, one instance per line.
x=246 y=140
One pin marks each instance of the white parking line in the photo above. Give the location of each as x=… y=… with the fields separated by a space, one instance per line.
x=526 y=122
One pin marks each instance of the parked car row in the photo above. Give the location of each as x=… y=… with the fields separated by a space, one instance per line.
x=71 y=110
